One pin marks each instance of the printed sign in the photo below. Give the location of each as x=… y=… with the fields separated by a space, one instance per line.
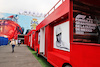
x=34 y=23
x=85 y=29
x=84 y=24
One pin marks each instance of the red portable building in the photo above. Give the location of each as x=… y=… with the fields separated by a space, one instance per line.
x=28 y=39
x=69 y=36
x=36 y=41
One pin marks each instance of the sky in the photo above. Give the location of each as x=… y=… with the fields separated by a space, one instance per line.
x=37 y=6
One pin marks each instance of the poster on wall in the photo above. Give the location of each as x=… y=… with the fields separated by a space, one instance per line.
x=61 y=36
x=34 y=23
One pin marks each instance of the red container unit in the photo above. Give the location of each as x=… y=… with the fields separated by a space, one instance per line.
x=69 y=36
x=36 y=41
x=26 y=39
x=29 y=39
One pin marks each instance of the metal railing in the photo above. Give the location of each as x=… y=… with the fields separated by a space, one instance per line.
x=54 y=7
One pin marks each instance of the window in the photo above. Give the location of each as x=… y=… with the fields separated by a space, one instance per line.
x=86 y=20
x=39 y=38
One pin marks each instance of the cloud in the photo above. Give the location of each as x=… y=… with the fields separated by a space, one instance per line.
x=14 y=6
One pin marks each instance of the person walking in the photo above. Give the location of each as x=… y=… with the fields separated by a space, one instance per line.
x=13 y=43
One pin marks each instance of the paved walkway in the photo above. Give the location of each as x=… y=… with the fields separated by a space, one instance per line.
x=22 y=57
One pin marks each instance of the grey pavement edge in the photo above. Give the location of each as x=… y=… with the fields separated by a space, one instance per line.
x=22 y=57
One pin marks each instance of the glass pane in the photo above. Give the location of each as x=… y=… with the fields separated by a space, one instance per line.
x=86 y=20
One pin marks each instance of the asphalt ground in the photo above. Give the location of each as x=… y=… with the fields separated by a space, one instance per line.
x=22 y=57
